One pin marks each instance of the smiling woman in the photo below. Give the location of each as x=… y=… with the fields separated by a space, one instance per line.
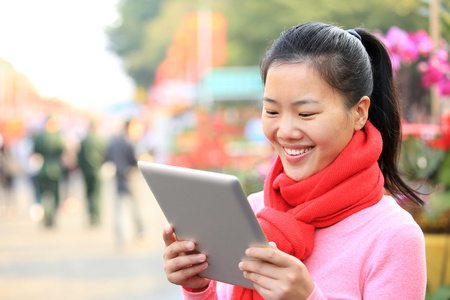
x=305 y=119
x=330 y=109
x=60 y=46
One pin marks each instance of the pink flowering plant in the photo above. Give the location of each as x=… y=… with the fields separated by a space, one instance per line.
x=425 y=153
x=425 y=147
x=406 y=48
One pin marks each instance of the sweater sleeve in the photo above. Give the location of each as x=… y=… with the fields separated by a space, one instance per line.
x=316 y=294
x=397 y=268
x=208 y=294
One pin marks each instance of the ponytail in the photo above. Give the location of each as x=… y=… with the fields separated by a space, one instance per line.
x=384 y=113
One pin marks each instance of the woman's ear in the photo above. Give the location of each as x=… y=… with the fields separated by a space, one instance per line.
x=361 y=112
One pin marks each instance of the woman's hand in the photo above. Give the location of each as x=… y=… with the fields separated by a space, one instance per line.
x=182 y=268
x=277 y=275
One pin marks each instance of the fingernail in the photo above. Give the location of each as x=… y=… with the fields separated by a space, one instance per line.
x=201 y=257
x=241 y=265
x=190 y=246
x=167 y=229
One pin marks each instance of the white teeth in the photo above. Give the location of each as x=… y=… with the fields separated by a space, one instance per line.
x=297 y=152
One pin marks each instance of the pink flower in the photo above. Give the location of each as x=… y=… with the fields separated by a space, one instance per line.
x=406 y=47
x=409 y=52
x=395 y=61
x=435 y=70
x=444 y=87
x=431 y=76
x=401 y=43
x=423 y=41
x=396 y=36
x=422 y=67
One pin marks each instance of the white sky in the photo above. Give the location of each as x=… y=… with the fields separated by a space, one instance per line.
x=60 y=46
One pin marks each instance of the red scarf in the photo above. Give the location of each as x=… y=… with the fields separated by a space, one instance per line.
x=294 y=209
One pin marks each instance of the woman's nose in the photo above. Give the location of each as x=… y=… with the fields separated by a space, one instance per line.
x=288 y=129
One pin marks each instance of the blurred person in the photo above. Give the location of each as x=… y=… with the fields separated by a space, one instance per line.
x=1 y=157
x=31 y=163
x=9 y=169
x=121 y=152
x=330 y=206
x=49 y=145
x=91 y=156
x=69 y=161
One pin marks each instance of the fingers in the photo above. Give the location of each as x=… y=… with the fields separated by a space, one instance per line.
x=271 y=255
x=186 y=265
x=175 y=254
x=275 y=274
x=261 y=282
x=181 y=265
x=183 y=269
x=267 y=262
x=255 y=268
x=173 y=246
x=168 y=235
x=273 y=245
x=178 y=248
x=187 y=275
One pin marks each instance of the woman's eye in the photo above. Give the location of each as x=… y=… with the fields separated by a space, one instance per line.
x=272 y=113
x=306 y=115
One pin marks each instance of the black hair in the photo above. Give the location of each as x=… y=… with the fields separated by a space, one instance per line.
x=357 y=66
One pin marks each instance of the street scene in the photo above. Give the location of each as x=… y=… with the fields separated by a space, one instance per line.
x=73 y=260
x=338 y=112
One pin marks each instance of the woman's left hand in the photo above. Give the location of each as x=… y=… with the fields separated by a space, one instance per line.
x=277 y=275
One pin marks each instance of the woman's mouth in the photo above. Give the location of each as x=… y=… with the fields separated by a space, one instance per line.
x=297 y=152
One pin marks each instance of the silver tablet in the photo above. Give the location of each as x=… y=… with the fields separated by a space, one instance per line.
x=210 y=209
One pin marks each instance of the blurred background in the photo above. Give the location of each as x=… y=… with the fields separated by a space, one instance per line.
x=175 y=82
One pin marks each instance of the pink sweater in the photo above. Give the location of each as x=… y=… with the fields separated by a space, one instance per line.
x=377 y=253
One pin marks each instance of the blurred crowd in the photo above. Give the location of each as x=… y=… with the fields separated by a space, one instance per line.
x=48 y=153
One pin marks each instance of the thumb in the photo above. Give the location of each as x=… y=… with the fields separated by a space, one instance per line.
x=273 y=245
x=168 y=235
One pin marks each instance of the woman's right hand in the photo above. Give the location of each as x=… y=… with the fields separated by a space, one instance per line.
x=182 y=268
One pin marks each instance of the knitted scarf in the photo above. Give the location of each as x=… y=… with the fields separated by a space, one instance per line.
x=352 y=182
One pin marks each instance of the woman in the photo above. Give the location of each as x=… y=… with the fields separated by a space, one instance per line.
x=331 y=112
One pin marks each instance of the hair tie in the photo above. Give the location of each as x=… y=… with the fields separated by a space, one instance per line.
x=354 y=33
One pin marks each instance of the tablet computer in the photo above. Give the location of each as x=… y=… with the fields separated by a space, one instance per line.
x=210 y=209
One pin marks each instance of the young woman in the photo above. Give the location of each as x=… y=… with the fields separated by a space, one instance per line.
x=331 y=112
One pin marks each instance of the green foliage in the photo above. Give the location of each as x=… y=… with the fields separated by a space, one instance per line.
x=127 y=36
x=419 y=162
x=443 y=175
x=445 y=17
x=147 y=26
x=144 y=33
x=251 y=181
x=252 y=26
x=443 y=293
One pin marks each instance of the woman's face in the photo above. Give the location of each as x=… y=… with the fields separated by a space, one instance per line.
x=305 y=119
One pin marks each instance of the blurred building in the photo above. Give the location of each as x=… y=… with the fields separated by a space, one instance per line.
x=21 y=105
x=199 y=108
